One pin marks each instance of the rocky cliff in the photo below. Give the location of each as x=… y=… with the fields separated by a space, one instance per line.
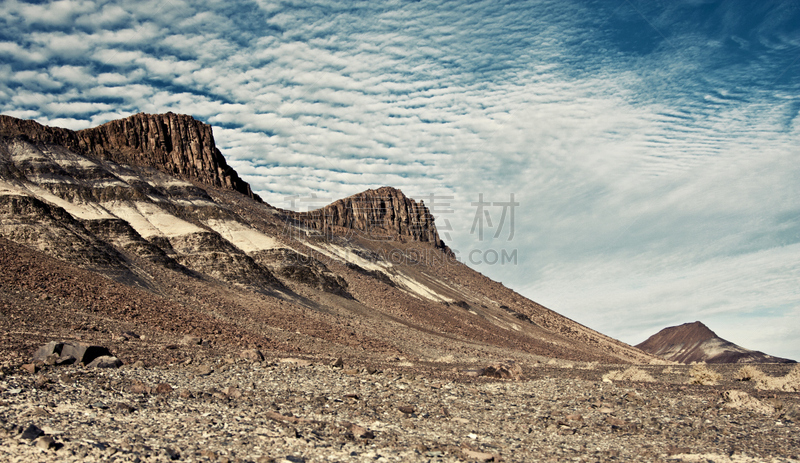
x=695 y=342
x=381 y=215
x=176 y=144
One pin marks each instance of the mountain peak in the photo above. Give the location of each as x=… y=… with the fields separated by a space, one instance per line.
x=176 y=144
x=695 y=342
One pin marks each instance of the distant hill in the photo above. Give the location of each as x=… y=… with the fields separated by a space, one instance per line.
x=695 y=342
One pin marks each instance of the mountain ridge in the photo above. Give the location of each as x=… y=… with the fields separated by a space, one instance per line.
x=365 y=277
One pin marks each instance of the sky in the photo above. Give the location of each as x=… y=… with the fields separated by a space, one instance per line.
x=629 y=164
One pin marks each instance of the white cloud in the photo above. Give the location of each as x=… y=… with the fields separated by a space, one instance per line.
x=57 y=13
x=646 y=170
x=20 y=54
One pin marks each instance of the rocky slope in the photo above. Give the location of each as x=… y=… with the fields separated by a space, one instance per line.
x=695 y=342
x=149 y=207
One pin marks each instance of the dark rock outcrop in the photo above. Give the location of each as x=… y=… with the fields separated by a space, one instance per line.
x=695 y=342
x=176 y=144
x=384 y=214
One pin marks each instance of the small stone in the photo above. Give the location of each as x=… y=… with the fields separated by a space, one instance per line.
x=185 y=394
x=509 y=370
x=190 y=340
x=105 y=361
x=173 y=454
x=31 y=432
x=407 y=409
x=40 y=381
x=124 y=408
x=30 y=368
x=253 y=355
x=163 y=388
x=361 y=432
x=203 y=370
x=39 y=411
x=45 y=442
x=99 y=405
x=615 y=421
x=574 y=417
x=338 y=363
x=479 y=456
x=296 y=361
x=138 y=387
x=232 y=392
x=137 y=364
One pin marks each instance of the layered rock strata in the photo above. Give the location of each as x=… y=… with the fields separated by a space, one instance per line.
x=176 y=144
x=381 y=215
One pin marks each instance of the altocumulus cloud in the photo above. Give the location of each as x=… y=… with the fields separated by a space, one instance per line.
x=651 y=146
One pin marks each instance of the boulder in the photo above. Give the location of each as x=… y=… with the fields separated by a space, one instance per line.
x=69 y=352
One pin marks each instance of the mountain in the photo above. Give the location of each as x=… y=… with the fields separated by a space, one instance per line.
x=140 y=226
x=694 y=342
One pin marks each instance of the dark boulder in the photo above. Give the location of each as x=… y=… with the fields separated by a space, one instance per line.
x=70 y=352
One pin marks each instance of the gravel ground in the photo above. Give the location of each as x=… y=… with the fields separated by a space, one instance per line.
x=299 y=410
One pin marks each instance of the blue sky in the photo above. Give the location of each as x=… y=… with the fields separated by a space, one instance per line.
x=652 y=146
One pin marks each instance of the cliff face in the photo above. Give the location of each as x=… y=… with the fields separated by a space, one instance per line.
x=176 y=144
x=382 y=214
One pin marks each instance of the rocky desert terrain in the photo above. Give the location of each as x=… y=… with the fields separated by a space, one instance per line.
x=222 y=328
x=229 y=408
